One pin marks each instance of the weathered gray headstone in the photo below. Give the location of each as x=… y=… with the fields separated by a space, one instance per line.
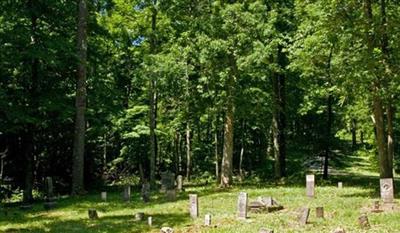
x=303 y=216
x=242 y=205
x=167 y=181
x=145 y=192
x=319 y=212
x=207 y=220
x=387 y=193
x=150 y=221
x=193 y=206
x=339 y=230
x=104 y=196
x=127 y=193
x=49 y=188
x=92 y=214
x=363 y=221
x=139 y=216
x=179 y=182
x=340 y=185
x=310 y=181
x=170 y=195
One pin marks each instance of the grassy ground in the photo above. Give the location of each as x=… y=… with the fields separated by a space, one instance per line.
x=342 y=209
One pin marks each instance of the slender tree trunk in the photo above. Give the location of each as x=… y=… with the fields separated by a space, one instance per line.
x=188 y=152
x=153 y=102
x=390 y=114
x=227 y=157
x=328 y=137
x=354 y=133
x=279 y=119
x=243 y=135
x=216 y=153
x=28 y=139
x=80 y=103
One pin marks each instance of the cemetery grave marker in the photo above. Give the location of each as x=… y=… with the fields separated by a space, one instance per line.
x=303 y=216
x=194 y=206
x=242 y=205
x=310 y=183
x=386 y=186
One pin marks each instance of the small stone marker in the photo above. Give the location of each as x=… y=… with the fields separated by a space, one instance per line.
x=339 y=230
x=127 y=193
x=145 y=192
x=363 y=221
x=179 y=182
x=139 y=216
x=376 y=208
x=170 y=195
x=310 y=181
x=92 y=214
x=242 y=205
x=319 y=212
x=194 y=206
x=104 y=196
x=387 y=193
x=207 y=220
x=264 y=230
x=150 y=221
x=303 y=217
x=167 y=230
x=340 y=185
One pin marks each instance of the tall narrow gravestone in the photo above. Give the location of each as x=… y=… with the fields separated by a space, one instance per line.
x=167 y=181
x=387 y=193
x=194 y=206
x=104 y=196
x=310 y=183
x=145 y=192
x=49 y=189
x=242 y=205
x=127 y=193
x=179 y=183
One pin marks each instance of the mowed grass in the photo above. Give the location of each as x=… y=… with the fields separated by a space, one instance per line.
x=342 y=208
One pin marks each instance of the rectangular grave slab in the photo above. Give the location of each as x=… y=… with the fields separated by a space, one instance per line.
x=167 y=181
x=127 y=193
x=193 y=206
x=207 y=220
x=242 y=205
x=104 y=196
x=387 y=193
x=310 y=189
x=49 y=188
x=170 y=195
x=303 y=216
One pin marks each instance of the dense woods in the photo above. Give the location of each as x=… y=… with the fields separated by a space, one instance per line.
x=96 y=92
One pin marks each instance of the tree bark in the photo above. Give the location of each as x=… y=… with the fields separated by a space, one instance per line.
x=227 y=157
x=153 y=101
x=188 y=152
x=279 y=119
x=80 y=103
x=353 y=133
x=328 y=137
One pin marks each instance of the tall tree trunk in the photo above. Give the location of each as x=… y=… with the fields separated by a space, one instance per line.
x=328 y=136
x=216 y=153
x=188 y=152
x=153 y=101
x=243 y=135
x=353 y=133
x=390 y=114
x=278 y=118
x=227 y=156
x=80 y=103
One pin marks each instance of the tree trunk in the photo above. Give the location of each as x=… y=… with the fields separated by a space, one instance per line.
x=243 y=135
x=390 y=135
x=80 y=103
x=328 y=137
x=353 y=133
x=227 y=156
x=278 y=118
x=216 y=153
x=188 y=153
x=153 y=102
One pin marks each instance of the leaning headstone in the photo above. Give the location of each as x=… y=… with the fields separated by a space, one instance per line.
x=127 y=193
x=387 y=193
x=104 y=196
x=319 y=212
x=139 y=216
x=310 y=180
x=264 y=230
x=303 y=216
x=179 y=183
x=167 y=181
x=242 y=205
x=194 y=206
x=170 y=195
x=145 y=192
x=167 y=230
x=363 y=221
x=340 y=185
x=150 y=221
x=92 y=214
x=207 y=220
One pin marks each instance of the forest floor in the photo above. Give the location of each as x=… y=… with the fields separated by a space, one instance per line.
x=342 y=208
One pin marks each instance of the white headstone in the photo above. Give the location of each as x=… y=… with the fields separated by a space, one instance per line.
x=310 y=181
x=194 y=206
x=242 y=205
x=387 y=193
